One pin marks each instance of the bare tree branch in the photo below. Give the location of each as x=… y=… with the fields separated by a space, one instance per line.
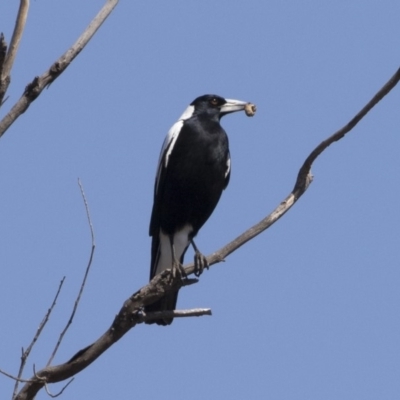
x=304 y=178
x=5 y=69
x=84 y=278
x=60 y=392
x=13 y=377
x=306 y=167
x=25 y=354
x=33 y=90
x=89 y=219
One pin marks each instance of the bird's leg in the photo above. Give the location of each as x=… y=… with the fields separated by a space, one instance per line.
x=200 y=261
x=177 y=267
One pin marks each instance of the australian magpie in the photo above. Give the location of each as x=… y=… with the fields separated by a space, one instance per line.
x=193 y=170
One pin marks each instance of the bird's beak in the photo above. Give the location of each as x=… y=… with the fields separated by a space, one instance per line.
x=232 y=106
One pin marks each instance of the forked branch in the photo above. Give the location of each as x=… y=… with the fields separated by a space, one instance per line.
x=25 y=353
x=89 y=264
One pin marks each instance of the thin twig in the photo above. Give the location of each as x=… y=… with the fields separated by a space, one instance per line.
x=14 y=377
x=25 y=354
x=60 y=392
x=33 y=90
x=84 y=278
x=12 y=50
x=87 y=214
x=195 y=312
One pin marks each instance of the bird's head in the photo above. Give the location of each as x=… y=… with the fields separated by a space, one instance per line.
x=215 y=106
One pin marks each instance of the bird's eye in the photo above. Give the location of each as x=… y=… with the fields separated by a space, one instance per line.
x=214 y=101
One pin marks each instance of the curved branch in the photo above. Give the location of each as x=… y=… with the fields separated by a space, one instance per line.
x=60 y=392
x=304 y=178
x=33 y=90
x=89 y=264
x=306 y=167
x=131 y=312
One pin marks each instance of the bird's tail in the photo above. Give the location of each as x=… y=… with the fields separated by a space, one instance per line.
x=168 y=302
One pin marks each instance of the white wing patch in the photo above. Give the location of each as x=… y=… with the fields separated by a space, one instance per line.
x=170 y=140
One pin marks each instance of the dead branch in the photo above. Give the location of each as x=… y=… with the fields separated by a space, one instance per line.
x=60 y=392
x=131 y=312
x=25 y=354
x=35 y=88
x=17 y=379
x=71 y=318
x=304 y=178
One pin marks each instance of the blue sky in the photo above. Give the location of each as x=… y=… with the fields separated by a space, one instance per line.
x=308 y=310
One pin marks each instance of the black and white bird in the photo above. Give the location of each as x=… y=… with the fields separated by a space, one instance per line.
x=193 y=170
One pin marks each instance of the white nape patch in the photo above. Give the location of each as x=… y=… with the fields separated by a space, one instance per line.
x=170 y=140
x=181 y=242
x=228 y=166
x=187 y=113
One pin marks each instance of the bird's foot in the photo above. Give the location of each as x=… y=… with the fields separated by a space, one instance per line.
x=178 y=271
x=200 y=262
